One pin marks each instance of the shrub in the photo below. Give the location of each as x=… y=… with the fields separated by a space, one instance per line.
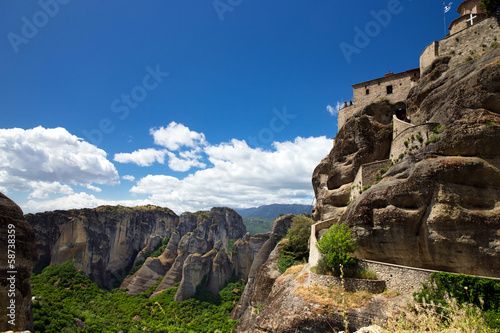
x=439 y=128
x=492 y=7
x=433 y=138
x=159 y=248
x=365 y=274
x=481 y=292
x=298 y=236
x=428 y=318
x=406 y=144
x=336 y=246
x=419 y=138
x=284 y=262
x=297 y=245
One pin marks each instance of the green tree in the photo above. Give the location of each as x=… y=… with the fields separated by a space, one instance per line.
x=298 y=236
x=336 y=246
x=492 y=7
x=296 y=249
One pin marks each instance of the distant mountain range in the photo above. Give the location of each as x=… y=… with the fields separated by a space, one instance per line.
x=274 y=210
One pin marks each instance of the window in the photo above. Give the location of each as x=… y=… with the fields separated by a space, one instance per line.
x=389 y=89
x=368 y=91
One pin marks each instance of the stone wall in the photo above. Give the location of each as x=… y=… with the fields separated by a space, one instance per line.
x=401 y=84
x=399 y=126
x=314 y=254
x=430 y=53
x=411 y=140
x=371 y=286
x=403 y=279
x=460 y=46
x=345 y=114
x=367 y=175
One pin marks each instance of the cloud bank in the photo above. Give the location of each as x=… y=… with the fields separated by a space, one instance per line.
x=46 y=161
x=61 y=171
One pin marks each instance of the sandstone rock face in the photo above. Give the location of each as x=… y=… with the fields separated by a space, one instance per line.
x=214 y=266
x=153 y=268
x=438 y=207
x=103 y=242
x=279 y=230
x=366 y=137
x=244 y=252
x=258 y=291
x=286 y=307
x=202 y=251
x=15 y=288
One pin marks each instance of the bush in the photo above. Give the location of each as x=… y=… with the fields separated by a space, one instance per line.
x=284 y=262
x=492 y=7
x=336 y=246
x=433 y=138
x=481 y=292
x=296 y=249
x=298 y=236
x=439 y=128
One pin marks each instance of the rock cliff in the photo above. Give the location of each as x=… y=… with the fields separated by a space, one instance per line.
x=103 y=242
x=438 y=206
x=106 y=243
x=256 y=290
x=244 y=252
x=199 y=252
x=16 y=263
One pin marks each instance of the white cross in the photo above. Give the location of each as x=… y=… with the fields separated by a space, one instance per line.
x=471 y=19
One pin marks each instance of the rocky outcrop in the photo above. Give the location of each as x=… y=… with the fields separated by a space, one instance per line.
x=258 y=292
x=153 y=268
x=244 y=252
x=18 y=256
x=439 y=206
x=279 y=230
x=366 y=137
x=103 y=242
x=214 y=267
x=297 y=302
x=202 y=251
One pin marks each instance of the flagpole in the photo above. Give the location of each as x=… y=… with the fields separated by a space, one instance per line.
x=444 y=16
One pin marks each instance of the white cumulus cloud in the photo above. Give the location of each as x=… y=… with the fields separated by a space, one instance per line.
x=242 y=176
x=334 y=110
x=175 y=136
x=130 y=178
x=49 y=160
x=142 y=157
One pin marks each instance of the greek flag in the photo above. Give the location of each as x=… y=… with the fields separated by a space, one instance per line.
x=447 y=8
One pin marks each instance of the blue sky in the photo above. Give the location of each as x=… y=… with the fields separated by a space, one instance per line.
x=187 y=104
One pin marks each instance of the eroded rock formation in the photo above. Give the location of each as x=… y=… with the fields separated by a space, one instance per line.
x=439 y=205
x=244 y=252
x=279 y=230
x=196 y=249
x=15 y=267
x=103 y=242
